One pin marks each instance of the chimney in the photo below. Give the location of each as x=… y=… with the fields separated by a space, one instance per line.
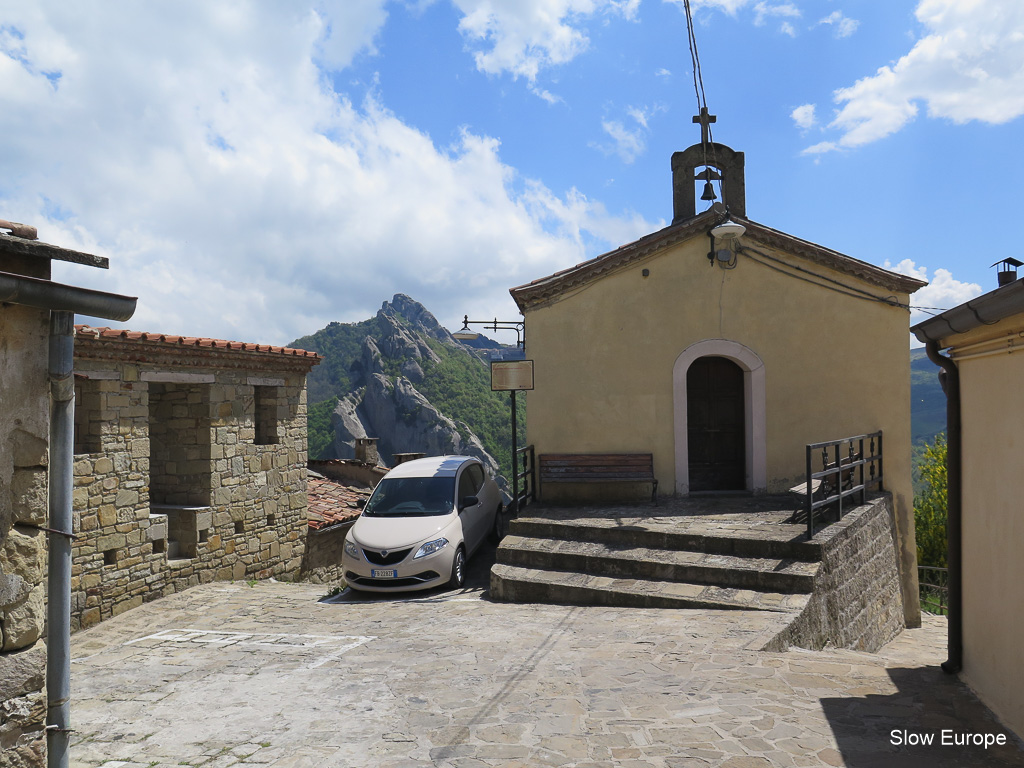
x=1008 y=270
x=366 y=450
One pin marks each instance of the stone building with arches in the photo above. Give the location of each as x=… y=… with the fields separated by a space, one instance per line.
x=721 y=358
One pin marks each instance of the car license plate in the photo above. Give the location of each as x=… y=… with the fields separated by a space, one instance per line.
x=382 y=574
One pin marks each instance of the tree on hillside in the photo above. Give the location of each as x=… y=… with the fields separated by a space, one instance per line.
x=930 y=505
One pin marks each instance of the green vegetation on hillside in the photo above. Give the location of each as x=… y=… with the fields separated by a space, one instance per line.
x=321 y=432
x=340 y=345
x=927 y=401
x=930 y=505
x=460 y=387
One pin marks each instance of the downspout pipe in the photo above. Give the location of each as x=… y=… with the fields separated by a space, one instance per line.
x=58 y=613
x=950 y=380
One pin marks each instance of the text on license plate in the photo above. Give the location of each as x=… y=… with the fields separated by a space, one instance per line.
x=382 y=574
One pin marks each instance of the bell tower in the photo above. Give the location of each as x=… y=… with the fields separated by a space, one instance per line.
x=716 y=162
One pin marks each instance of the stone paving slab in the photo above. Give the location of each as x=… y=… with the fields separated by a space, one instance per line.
x=231 y=676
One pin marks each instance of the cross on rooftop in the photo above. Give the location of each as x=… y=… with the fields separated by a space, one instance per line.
x=705 y=121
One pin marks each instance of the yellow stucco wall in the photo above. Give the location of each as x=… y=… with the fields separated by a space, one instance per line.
x=834 y=365
x=993 y=520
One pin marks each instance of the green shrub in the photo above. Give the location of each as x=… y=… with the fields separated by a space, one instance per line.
x=930 y=504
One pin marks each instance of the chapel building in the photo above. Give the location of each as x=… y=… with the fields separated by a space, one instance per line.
x=721 y=356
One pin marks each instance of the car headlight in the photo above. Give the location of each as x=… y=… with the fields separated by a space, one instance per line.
x=430 y=548
x=352 y=550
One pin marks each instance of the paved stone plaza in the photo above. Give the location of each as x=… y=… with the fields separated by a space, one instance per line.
x=270 y=675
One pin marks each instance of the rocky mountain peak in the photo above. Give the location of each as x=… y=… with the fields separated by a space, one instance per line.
x=415 y=315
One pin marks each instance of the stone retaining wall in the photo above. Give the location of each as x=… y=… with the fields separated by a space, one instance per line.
x=321 y=562
x=857 y=600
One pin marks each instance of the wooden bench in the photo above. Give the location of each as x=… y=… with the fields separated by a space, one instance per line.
x=820 y=486
x=599 y=468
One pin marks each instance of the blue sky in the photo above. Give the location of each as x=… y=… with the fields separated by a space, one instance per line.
x=257 y=170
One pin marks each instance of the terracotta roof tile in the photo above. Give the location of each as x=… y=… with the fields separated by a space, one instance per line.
x=120 y=334
x=331 y=502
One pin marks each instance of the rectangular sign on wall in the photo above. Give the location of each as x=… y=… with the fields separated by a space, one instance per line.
x=511 y=375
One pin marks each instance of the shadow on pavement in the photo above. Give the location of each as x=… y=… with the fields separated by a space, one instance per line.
x=907 y=729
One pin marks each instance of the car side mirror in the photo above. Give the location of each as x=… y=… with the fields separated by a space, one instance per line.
x=468 y=501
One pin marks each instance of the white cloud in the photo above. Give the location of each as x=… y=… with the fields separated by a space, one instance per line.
x=764 y=10
x=821 y=148
x=787 y=29
x=804 y=116
x=629 y=141
x=727 y=6
x=200 y=147
x=969 y=66
x=942 y=292
x=843 y=25
x=349 y=26
x=522 y=37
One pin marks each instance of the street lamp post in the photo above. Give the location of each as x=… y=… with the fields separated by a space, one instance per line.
x=467 y=334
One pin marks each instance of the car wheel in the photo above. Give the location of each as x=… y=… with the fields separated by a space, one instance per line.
x=498 y=531
x=458 y=569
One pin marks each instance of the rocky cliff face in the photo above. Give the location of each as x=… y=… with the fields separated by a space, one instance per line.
x=384 y=401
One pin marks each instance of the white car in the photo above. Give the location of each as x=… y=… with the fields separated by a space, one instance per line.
x=424 y=519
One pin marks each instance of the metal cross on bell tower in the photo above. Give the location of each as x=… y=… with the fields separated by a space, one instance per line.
x=705 y=121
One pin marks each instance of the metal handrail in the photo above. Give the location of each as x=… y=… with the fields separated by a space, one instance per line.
x=523 y=468
x=939 y=589
x=833 y=472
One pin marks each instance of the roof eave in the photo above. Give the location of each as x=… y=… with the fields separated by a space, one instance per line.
x=548 y=288
x=987 y=309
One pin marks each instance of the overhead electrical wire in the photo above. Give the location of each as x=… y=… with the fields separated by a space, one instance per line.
x=702 y=102
x=798 y=272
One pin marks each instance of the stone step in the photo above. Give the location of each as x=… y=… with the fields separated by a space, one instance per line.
x=624 y=561
x=776 y=540
x=510 y=583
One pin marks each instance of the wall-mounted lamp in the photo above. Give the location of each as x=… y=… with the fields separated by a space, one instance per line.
x=467 y=334
x=728 y=234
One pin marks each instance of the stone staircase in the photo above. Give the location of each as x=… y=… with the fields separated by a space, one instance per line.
x=751 y=559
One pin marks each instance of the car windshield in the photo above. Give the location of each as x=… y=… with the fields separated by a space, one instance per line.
x=412 y=497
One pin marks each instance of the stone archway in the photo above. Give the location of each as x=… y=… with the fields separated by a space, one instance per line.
x=754 y=400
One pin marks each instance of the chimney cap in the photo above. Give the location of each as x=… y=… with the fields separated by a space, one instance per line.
x=1010 y=263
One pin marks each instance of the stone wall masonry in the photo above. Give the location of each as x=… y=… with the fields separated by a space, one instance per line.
x=195 y=501
x=321 y=563
x=857 y=602
x=24 y=446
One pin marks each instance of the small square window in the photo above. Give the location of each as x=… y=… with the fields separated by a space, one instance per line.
x=267 y=405
x=110 y=557
x=204 y=535
x=88 y=405
x=239 y=526
x=271 y=520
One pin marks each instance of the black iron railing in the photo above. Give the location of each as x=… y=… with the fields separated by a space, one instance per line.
x=934 y=589
x=842 y=476
x=525 y=479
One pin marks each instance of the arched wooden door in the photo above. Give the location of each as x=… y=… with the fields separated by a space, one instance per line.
x=715 y=425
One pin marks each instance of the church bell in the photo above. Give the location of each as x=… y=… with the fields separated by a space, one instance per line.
x=709 y=192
